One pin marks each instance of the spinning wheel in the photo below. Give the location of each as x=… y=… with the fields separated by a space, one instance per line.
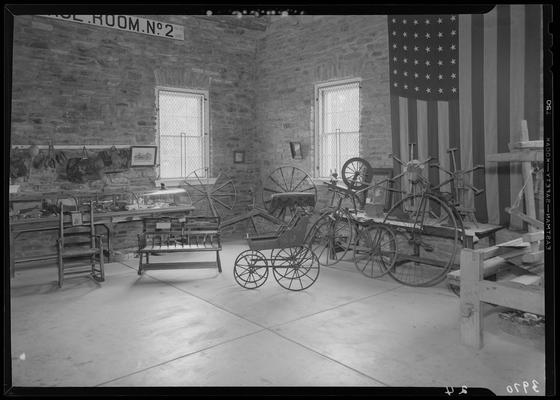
x=210 y=196
x=356 y=173
x=285 y=189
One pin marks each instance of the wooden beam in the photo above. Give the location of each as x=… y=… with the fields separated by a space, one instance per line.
x=522 y=155
x=519 y=297
x=528 y=144
x=472 y=318
x=530 y=220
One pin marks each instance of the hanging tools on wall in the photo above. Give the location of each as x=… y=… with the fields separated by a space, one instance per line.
x=50 y=160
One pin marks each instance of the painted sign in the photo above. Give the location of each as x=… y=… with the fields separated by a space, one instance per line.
x=128 y=23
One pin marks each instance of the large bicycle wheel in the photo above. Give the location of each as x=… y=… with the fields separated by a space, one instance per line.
x=250 y=269
x=375 y=251
x=428 y=239
x=331 y=237
x=295 y=268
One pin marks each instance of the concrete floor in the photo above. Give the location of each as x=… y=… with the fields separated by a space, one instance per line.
x=199 y=328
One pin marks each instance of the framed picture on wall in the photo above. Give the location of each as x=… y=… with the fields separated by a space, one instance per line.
x=295 y=148
x=143 y=156
x=238 y=157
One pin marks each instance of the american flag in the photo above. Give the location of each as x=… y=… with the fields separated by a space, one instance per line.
x=467 y=81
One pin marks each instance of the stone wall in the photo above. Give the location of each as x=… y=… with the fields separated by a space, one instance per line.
x=79 y=85
x=75 y=84
x=299 y=51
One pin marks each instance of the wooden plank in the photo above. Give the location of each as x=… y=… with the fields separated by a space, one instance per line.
x=528 y=144
x=516 y=243
x=533 y=236
x=527 y=279
x=526 y=298
x=529 y=192
x=471 y=324
x=523 y=155
x=180 y=265
x=533 y=258
x=507 y=252
x=530 y=220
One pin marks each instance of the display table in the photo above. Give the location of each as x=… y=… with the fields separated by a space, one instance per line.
x=473 y=232
x=106 y=219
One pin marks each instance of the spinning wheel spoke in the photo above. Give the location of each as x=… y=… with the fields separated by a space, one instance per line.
x=299 y=183
x=218 y=196
x=222 y=204
x=222 y=186
x=285 y=189
x=195 y=188
x=356 y=173
x=277 y=184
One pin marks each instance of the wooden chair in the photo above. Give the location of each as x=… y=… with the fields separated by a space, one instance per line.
x=78 y=244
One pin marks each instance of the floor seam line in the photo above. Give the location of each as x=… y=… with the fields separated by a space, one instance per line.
x=333 y=308
x=208 y=302
x=329 y=358
x=182 y=356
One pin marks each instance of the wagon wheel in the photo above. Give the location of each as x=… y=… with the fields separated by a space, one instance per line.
x=250 y=269
x=375 y=251
x=295 y=268
x=210 y=196
x=286 y=180
x=356 y=173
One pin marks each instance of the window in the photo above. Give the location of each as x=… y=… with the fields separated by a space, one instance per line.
x=338 y=125
x=182 y=132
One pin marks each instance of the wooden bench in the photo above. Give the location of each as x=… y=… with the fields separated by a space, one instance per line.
x=179 y=235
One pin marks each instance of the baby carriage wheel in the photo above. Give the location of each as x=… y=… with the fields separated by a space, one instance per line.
x=295 y=268
x=251 y=269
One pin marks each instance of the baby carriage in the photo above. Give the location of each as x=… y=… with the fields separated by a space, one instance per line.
x=294 y=265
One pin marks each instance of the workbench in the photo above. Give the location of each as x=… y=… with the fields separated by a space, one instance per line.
x=106 y=219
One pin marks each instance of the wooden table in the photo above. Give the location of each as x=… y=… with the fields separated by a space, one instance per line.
x=473 y=232
x=106 y=219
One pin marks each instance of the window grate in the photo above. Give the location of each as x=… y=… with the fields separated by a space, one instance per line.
x=339 y=125
x=183 y=143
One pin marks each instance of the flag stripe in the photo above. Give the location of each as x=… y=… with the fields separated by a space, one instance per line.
x=433 y=142
x=395 y=130
x=412 y=132
x=454 y=132
x=422 y=129
x=533 y=70
x=503 y=111
x=490 y=103
x=403 y=111
x=443 y=135
x=465 y=100
x=516 y=100
x=479 y=115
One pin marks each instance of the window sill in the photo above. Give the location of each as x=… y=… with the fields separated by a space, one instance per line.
x=177 y=182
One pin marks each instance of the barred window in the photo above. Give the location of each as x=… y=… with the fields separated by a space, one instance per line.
x=182 y=132
x=338 y=125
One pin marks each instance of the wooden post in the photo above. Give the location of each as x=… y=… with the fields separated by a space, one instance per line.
x=471 y=307
x=528 y=177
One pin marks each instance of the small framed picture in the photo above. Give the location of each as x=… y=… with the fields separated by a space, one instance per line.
x=77 y=218
x=295 y=148
x=143 y=156
x=238 y=157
